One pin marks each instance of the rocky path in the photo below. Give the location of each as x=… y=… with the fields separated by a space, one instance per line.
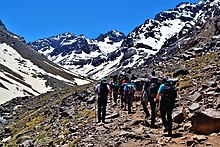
x=129 y=130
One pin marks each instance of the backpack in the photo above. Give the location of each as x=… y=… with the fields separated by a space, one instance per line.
x=169 y=93
x=129 y=89
x=121 y=88
x=103 y=90
x=115 y=87
x=152 y=90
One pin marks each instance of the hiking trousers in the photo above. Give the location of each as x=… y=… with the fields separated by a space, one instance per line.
x=129 y=98
x=122 y=99
x=144 y=104
x=153 y=112
x=166 y=109
x=102 y=103
x=115 y=96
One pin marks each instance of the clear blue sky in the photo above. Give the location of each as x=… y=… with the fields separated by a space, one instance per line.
x=37 y=19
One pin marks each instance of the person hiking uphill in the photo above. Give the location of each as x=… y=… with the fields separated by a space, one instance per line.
x=129 y=92
x=115 y=89
x=150 y=88
x=102 y=90
x=168 y=93
x=121 y=92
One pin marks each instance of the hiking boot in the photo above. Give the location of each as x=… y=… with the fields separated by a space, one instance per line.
x=165 y=130
x=170 y=133
x=153 y=126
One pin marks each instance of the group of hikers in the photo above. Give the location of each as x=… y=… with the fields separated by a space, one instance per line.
x=154 y=90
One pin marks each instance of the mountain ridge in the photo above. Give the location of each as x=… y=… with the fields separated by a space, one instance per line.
x=134 y=49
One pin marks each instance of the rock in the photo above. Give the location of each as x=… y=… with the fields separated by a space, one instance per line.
x=180 y=72
x=200 y=138
x=64 y=114
x=212 y=84
x=196 y=97
x=191 y=142
x=6 y=139
x=114 y=115
x=217 y=103
x=187 y=126
x=217 y=90
x=91 y=100
x=2 y=109
x=7 y=130
x=194 y=107
x=207 y=121
x=28 y=143
x=179 y=116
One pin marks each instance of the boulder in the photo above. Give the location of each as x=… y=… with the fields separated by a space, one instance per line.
x=196 y=97
x=180 y=72
x=194 y=107
x=179 y=116
x=207 y=121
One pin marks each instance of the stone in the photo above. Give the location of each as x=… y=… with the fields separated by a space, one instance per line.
x=217 y=103
x=196 y=97
x=179 y=116
x=114 y=115
x=200 y=138
x=207 y=121
x=64 y=114
x=7 y=130
x=91 y=100
x=180 y=72
x=212 y=84
x=27 y=143
x=187 y=126
x=6 y=139
x=191 y=142
x=194 y=107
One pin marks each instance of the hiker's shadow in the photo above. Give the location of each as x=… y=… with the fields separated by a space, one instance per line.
x=175 y=135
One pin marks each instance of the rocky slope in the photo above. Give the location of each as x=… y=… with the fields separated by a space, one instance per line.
x=25 y=72
x=67 y=117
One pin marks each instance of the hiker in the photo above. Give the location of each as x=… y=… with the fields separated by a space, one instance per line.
x=102 y=90
x=168 y=93
x=149 y=90
x=144 y=98
x=115 y=89
x=115 y=78
x=121 y=91
x=129 y=92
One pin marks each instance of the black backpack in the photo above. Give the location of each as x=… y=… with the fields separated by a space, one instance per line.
x=115 y=87
x=169 y=93
x=103 y=90
x=129 y=89
x=152 y=90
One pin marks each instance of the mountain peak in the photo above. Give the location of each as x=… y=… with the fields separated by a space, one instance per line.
x=2 y=26
x=113 y=35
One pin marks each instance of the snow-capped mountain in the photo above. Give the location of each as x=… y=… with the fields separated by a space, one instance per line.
x=80 y=54
x=113 y=51
x=25 y=72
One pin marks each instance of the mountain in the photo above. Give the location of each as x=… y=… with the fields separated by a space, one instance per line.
x=113 y=51
x=68 y=117
x=79 y=54
x=25 y=72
